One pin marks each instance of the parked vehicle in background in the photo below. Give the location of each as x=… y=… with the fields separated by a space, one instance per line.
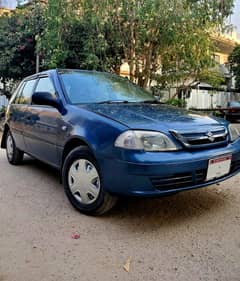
x=108 y=137
x=232 y=112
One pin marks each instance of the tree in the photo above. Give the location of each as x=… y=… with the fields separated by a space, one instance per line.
x=17 y=43
x=51 y=42
x=75 y=37
x=164 y=40
x=234 y=61
x=215 y=11
x=170 y=38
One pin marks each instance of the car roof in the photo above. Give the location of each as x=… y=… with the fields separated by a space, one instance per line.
x=46 y=72
x=65 y=70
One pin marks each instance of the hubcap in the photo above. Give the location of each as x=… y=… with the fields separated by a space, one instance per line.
x=84 y=181
x=9 y=147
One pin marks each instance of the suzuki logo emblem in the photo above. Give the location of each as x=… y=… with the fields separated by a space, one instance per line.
x=210 y=136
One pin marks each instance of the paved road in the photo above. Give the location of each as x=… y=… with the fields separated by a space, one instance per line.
x=190 y=236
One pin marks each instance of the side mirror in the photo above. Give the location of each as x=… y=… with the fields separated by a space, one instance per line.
x=45 y=98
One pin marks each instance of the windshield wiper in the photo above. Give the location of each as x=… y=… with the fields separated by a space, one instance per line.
x=112 y=101
x=125 y=101
x=151 y=101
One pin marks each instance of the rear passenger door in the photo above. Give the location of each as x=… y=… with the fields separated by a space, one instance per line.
x=40 y=133
x=17 y=112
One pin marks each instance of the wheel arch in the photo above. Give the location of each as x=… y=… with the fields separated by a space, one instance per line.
x=72 y=144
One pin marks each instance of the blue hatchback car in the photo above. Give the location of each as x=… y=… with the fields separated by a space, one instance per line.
x=109 y=138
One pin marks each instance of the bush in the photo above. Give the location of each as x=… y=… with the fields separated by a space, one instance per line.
x=177 y=102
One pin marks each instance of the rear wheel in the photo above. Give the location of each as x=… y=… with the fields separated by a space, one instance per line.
x=14 y=155
x=83 y=184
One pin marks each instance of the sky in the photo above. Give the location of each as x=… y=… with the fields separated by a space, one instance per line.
x=236 y=15
x=10 y=4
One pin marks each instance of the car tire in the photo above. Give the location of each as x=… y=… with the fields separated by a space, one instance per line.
x=83 y=184
x=14 y=155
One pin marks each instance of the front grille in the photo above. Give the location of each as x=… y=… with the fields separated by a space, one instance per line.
x=179 y=180
x=206 y=138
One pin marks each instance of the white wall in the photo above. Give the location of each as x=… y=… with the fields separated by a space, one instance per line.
x=3 y=101
x=206 y=99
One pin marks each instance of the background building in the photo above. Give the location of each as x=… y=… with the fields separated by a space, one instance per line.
x=203 y=95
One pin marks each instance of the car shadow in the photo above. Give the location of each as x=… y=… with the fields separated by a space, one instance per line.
x=37 y=165
x=146 y=214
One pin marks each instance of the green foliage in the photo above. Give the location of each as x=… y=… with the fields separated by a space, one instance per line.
x=76 y=37
x=234 y=61
x=50 y=42
x=164 y=40
x=189 y=57
x=177 y=102
x=212 y=77
x=3 y=109
x=142 y=32
x=17 y=43
x=215 y=11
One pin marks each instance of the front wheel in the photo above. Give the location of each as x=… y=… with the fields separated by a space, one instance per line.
x=14 y=155
x=83 y=184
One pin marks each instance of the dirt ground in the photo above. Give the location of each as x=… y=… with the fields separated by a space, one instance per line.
x=194 y=235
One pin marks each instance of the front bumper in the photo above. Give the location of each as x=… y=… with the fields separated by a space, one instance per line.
x=157 y=174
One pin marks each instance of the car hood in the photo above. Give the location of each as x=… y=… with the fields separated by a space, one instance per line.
x=154 y=117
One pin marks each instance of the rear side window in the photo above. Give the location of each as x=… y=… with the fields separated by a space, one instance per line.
x=45 y=85
x=26 y=93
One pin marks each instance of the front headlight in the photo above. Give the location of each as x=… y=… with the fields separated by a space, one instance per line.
x=234 y=132
x=145 y=140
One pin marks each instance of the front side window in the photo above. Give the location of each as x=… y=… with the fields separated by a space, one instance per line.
x=25 y=97
x=45 y=85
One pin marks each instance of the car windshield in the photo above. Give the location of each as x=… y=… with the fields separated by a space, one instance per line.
x=234 y=104
x=97 y=87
